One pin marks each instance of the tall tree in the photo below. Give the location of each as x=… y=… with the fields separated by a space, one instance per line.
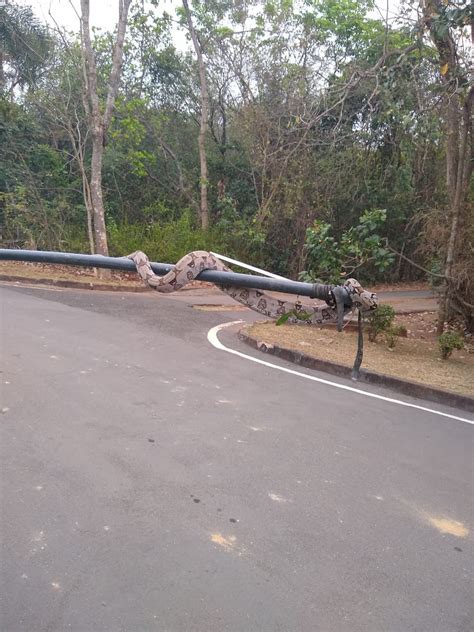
x=60 y=107
x=99 y=116
x=204 y=118
x=445 y=22
x=24 y=47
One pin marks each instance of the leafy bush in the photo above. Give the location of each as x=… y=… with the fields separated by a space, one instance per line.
x=168 y=241
x=380 y=320
x=329 y=260
x=125 y=238
x=449 y=341
x=392 y=334
x=37 y=223
x=161 y=241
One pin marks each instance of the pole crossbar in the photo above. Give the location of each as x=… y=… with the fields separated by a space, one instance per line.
x=312 y=290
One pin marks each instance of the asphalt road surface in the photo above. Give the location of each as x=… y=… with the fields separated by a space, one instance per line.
x=151 y=481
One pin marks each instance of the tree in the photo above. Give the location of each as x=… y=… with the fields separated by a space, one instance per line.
x=314 y=113
x=59 y=105
x=99 y=117
x=329 y=260
x=445 y=22
x=24 y=47
x=37 y=201
x=204 y=117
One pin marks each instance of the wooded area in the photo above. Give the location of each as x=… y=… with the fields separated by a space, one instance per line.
x=314 y=138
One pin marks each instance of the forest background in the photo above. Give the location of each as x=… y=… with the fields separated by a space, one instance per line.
x=318 y=139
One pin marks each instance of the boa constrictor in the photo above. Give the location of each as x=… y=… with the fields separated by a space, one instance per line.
x=188 y=268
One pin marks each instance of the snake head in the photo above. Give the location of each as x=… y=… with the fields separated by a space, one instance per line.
x=363 y=300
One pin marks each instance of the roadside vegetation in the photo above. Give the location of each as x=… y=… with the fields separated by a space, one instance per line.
x=418 y=355
x=315 y=139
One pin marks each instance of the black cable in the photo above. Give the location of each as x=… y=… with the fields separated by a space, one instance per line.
x=360 y=348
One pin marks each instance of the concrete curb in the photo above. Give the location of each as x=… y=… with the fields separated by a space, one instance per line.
x=78 y=285
x=405 y=311
x=412 y=389
x=83 y=285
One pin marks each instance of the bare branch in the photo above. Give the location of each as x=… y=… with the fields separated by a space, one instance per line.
x=117 y=59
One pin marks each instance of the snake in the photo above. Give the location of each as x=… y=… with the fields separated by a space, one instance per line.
x=339 y=300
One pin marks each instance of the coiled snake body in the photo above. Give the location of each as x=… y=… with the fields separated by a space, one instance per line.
x=188 y=268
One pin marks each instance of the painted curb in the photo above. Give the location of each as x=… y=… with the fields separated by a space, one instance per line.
x=421 y=391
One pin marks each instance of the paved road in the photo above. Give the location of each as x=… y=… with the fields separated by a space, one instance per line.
x=153 y=482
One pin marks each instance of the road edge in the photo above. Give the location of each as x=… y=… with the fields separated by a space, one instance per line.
x=73 y=285
x=413 y=389
x=84 y=285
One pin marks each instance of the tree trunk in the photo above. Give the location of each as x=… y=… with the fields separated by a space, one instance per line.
x=77 y=145
x=223 y=143
x=452 y=161
x=459 y=170
x=458 y=137
x=204 y=206
x=97 y=200
x=99 y=122
x=2 y=73
x=86 y=193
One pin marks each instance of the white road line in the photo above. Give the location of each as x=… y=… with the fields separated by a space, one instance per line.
x=212 y=336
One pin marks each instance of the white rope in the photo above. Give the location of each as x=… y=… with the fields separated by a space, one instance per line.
x=248 y=267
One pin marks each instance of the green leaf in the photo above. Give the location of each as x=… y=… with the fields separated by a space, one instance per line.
x=283 y=318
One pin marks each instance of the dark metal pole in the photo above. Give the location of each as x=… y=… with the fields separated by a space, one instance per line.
x=313 y=290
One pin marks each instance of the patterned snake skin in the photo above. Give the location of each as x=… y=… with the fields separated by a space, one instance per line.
x=188 y=268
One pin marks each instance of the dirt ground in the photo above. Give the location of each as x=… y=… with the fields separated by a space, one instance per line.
x=415 y=358
x=76 y=273
x=36 y=271
x=63 y=273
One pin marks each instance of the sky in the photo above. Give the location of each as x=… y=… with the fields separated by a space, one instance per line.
x=104 y=13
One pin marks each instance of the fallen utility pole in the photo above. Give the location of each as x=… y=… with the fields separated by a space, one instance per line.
x=312 y=290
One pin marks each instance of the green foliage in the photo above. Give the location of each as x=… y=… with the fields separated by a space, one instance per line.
x=240 y=237
x=452 y=17
x=343 y=24
x=162 y=241
x=24 y=46
x=328 y=259
x=392 y=333
x=448 y=342
x=32 y=222
x=312 y=121
x=283 y=319
x=36 y=207
x=168 y=239
x=293 y=313
x=380 y=321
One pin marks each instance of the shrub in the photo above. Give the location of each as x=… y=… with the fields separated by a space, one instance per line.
x=449 y=341
x=167 y=241
x=328 y=259
x=380 y=321
x=392 y=334
x=125 y=238
x=37 y=223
